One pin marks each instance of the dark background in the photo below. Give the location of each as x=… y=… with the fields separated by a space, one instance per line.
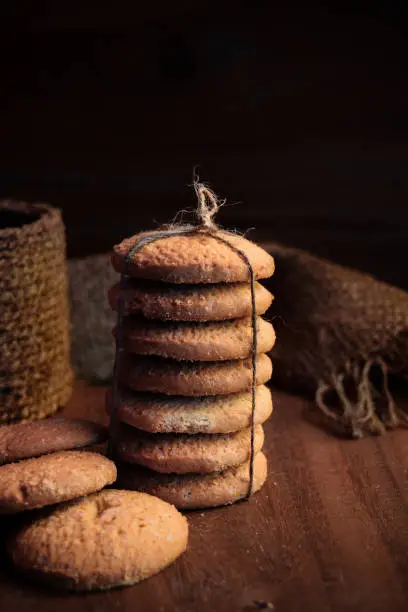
x=296 y=112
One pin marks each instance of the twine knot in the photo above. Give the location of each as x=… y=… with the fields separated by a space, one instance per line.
x=208 y=205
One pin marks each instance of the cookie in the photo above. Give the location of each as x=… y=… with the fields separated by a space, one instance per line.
x=167 y=302
x=215 y=341
x=183 y=453
x=175 y=414
x=191 y=491
x=194 y=258
x=109 y=539
x=31 y=439
x=34 y=483
x=192 y=379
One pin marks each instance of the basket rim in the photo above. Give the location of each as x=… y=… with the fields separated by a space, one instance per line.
x=44 y=217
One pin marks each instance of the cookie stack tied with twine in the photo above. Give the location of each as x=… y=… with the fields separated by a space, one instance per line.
x=189 y=396
x=35 y=372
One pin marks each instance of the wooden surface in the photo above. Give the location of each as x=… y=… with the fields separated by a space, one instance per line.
x=329 y=531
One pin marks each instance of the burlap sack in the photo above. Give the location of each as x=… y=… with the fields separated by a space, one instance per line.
x=35 y=372
x=340 y=333
x=92 y=320
x=336 y=328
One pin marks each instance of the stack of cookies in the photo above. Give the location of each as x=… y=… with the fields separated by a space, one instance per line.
x=38 y=460
x=98 y=538
x=184 y=404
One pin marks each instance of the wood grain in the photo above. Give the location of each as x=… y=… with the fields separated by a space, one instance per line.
x=329 y=531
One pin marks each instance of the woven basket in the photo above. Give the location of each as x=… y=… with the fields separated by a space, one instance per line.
x=35 y=372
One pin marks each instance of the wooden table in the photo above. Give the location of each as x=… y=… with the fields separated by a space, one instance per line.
x=329 y=531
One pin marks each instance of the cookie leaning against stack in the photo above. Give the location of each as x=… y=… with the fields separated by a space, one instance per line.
x=184 y=399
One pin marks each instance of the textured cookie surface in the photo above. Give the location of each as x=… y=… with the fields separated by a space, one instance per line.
x=182 y=453
x=211 y=414
x=215 y=341
x=34 y=483
x=194 y=490
x=31 y=439
x=190 y=302
x=194 y=258
x=192 y=379
x=112 y=538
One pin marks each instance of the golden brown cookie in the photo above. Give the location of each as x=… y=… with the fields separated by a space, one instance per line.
x=183 y=453
x=219 y=302
x=109 y=539
x=34 y=483
x=194 y=258
x=192 y=415
x=192 y=379
x=35 y=438
x=190 y=491
x=211 y=341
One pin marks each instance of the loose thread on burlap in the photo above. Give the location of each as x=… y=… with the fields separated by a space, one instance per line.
x=361 y=414
x=208 y=206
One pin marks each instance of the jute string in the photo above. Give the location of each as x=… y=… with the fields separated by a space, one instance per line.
x=208 y=205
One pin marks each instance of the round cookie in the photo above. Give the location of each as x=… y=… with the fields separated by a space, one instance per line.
x=50 y=479
x=211 y=341
x=191 y=415
x=165 y=302
x=191 y=491
x=109 y=539
x=34 y=438
x=194 y=258
x=182 y=453
x=189 y=378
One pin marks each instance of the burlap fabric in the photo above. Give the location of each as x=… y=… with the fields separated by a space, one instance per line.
x=35 y=372
x=340 y=333
x=92 y=320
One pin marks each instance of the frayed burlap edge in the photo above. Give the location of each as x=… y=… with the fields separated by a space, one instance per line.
x=361 y=415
